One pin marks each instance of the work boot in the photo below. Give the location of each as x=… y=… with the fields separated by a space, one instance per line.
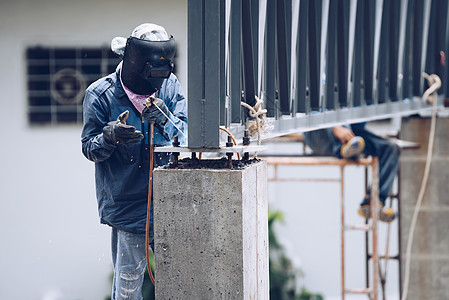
x=353 y=147
x=386 y=214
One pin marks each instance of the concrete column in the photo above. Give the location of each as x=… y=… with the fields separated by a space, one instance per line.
x=430 y=255
x=211 y=233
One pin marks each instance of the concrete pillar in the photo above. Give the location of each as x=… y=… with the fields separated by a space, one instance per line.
x=430 y=256
x=211 y=233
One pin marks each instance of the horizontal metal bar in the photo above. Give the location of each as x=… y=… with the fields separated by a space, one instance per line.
x=358 y=291
x=309 y=122
x=302 y=179
x=317 y=161
x=364 y=227
x=385 y=257
x=233 y=149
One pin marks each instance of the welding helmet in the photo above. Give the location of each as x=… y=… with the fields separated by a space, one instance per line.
x=148 y=56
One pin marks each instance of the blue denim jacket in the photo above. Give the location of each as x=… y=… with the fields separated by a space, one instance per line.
x=121 y=173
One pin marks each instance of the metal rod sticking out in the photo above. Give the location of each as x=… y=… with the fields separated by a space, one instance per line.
x=246 y=142
x=229 y=154
x=175 y=154
x=150 y=195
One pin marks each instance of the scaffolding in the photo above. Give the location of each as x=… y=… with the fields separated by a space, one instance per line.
x=370 y=227
x=374 y=277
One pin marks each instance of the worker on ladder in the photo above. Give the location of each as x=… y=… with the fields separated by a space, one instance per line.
x=114 y=106
x=349 y=142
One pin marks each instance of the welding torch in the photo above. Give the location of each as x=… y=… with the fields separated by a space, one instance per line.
x=148 y=103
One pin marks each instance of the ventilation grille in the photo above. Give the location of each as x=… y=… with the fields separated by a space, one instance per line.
x=57 y=79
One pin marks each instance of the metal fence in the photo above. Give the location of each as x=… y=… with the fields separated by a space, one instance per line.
x=314 y=63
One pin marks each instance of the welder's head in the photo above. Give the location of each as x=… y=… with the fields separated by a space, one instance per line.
x=147 y=58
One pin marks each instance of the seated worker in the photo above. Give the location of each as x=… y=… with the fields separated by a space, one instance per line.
x=349 y=142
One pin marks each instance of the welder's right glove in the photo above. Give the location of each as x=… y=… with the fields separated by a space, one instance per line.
x=156 y=112
x=117 y=132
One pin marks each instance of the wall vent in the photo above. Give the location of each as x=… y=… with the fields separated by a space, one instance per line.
x=57 y=78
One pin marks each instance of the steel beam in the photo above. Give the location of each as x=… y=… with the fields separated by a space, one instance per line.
x=235 y=59
x=302 y=58
x=331 y=58
x=342 y=50
x=282 y=60
x=314 y=66
x=368 y=28
x=206 y=72
x=269 y=80
x=314 y=63
x=248 y=53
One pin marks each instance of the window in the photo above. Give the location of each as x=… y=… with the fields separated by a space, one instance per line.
x=57 y=79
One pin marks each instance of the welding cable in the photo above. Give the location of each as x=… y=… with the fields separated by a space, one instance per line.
x=435 y=84
x=233 y=140
x=150 y=195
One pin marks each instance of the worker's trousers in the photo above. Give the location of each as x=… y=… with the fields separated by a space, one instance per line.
x=129 y=261
x=323 y=142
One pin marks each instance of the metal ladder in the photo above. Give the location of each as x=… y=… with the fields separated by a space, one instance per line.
x=370 y=227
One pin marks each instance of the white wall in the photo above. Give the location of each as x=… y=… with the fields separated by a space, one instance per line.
x=52 y=245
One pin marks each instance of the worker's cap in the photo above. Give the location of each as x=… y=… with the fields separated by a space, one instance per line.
x=146 y=31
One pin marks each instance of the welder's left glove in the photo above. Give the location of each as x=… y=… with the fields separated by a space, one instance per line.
x=156 y=112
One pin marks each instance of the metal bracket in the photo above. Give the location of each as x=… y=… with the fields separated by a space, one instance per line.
x=234 y=149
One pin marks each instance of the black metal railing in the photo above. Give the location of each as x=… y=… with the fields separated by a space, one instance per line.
x=314 y=63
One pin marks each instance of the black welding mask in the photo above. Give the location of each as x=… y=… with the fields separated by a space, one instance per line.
x=146 y=64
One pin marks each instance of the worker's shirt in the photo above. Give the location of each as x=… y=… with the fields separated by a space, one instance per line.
x=121 y=173
x=137 y=100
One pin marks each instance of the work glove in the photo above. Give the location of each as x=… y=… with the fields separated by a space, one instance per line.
x=156 y=112
x=117 y=132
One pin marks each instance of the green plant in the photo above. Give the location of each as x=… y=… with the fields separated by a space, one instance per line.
x=148 y=287
x=283 y=275
x=306 y=295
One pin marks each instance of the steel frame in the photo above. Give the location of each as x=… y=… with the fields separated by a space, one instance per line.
x=314 y=63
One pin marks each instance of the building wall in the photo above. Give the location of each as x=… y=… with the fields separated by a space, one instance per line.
x=53 y=246
x=429 y=259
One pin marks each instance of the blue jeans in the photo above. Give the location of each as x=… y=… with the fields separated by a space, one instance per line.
x=129 y=261
x=128 y=253
x=323 y=142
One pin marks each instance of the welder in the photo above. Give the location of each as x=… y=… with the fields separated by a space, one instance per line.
x=116 y=136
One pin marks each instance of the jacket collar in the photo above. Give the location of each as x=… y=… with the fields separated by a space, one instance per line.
x=120 y=92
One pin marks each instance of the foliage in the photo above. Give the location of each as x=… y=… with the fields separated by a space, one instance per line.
x=148 y=287
x=306 y=295
x=283 y=275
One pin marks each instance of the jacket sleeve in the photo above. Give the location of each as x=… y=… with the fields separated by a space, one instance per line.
x=95 y=115
x=177 y=105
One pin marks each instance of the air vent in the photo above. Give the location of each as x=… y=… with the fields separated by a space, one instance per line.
x=57 y=79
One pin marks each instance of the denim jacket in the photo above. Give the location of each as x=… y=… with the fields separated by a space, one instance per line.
x=121 y=173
